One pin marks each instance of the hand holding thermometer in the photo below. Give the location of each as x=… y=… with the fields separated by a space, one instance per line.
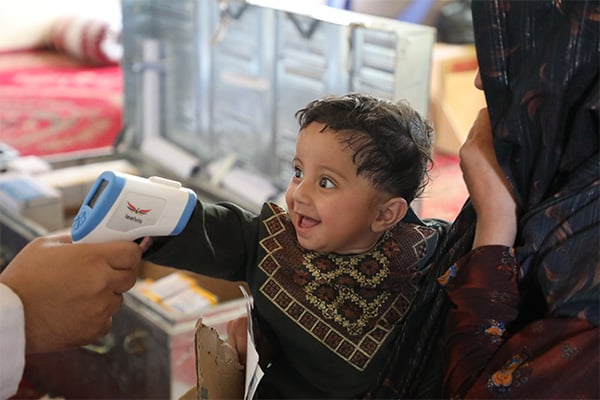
x=126 y=207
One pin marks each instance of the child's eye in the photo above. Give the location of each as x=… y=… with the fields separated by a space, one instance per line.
x=326 y=183
x=297 y=173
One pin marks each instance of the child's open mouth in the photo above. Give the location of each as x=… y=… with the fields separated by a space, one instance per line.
x=306 y=222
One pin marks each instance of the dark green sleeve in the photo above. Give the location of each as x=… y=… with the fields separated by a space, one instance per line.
x=220 y=240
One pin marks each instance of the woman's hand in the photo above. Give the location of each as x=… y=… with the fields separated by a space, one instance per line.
x=490 y=191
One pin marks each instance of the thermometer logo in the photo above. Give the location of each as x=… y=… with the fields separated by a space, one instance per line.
x=136 y=210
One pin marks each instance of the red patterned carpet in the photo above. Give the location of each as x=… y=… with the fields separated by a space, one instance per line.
x=50 y=104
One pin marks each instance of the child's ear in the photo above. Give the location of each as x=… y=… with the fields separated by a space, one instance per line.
x=390 y=213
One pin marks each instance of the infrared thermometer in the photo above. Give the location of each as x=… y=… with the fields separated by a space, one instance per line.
x=120 y=206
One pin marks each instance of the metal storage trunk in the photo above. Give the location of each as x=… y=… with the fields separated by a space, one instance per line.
x=224 y=78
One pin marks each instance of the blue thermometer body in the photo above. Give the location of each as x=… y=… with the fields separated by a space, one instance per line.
x=120 y=206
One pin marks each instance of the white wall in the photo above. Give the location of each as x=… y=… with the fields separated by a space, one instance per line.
x=26 y=23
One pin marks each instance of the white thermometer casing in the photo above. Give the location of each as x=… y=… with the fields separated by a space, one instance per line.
x=120 y=206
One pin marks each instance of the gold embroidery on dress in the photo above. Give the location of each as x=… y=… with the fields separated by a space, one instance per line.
x=342 y=280
x=348 y=303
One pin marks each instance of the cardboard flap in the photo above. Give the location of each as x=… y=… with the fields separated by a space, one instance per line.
x=220 y=374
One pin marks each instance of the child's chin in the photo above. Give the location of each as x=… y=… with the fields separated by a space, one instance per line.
x=312 y=247
x=306 y=244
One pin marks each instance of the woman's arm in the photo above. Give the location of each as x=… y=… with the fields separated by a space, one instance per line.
x=489 y=190
x=486 y=355
x=482 y=285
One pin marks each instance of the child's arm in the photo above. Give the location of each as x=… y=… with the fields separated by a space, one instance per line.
x=219 y=240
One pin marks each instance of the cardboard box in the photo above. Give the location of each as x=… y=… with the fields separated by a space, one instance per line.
x=149 y=354
x=225 y=290
x=31 y=198
x=191 y=394
x=220 y=374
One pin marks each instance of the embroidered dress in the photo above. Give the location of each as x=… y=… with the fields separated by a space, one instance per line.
x=326 y=322
x=552 y=357
x=539 y=63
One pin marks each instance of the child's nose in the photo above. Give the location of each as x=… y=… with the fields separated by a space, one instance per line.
x=302 y=192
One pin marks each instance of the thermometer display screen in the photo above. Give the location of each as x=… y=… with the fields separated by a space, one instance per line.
x=98 y=192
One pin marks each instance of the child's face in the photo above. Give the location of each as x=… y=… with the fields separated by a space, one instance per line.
x=332 y=208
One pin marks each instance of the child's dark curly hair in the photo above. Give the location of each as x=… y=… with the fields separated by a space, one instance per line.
x=392 y=144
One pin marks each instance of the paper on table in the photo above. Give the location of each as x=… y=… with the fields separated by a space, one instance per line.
x=254 y=372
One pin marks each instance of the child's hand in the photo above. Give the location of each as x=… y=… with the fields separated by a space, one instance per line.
x=237 y=337
x=490 y=191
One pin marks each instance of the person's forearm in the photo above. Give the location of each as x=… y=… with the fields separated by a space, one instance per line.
x=496 y=228
x=490 y=191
